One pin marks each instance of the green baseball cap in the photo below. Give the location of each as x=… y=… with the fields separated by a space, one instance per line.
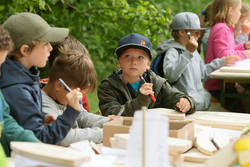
x=27 y=27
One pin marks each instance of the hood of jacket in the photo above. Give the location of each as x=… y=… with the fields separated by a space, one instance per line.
x=163 y=47
x=13 y=73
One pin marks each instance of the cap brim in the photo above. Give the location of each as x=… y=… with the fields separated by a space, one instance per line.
x=55 y=34
x=120 y=49
x=198 y=29
x=189 y=29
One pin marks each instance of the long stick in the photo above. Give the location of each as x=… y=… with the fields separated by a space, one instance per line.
x=143 y=135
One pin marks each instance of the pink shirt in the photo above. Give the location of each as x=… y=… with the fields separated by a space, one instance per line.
x=221 y=44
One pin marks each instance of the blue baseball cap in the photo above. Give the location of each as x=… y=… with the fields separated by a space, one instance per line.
x=135 y=40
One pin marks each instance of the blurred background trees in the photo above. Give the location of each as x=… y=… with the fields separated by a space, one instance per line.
x=99 y=24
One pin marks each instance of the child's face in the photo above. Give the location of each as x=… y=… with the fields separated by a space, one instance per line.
x=241 y=21
x=194 y=33
x=133 y=62
x=3 y=55
x=39 y=55
x=235 y=13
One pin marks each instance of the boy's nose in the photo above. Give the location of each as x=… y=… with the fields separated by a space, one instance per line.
x=50 y=48
x=133 y=61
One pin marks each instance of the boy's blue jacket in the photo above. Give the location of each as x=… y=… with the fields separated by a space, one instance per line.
x=11 y=130
x=20 y=87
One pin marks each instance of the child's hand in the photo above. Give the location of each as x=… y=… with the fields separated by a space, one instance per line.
x=146 y=89
x=111 y=117
x=49 y=119
x=184 y=105
x=245 y=29
x=73 y=98
x=230 y=60
x=192 y=45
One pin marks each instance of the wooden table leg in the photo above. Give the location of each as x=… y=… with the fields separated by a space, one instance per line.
x=222 y=93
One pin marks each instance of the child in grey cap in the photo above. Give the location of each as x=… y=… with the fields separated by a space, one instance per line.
x=182 y=64
x=126 y=89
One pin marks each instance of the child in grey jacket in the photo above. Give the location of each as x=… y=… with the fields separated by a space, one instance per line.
x=182 y=64
x=75 y=68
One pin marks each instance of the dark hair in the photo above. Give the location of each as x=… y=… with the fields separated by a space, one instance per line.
x=6 y=42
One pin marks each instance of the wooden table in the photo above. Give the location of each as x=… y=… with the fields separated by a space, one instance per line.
x=230 y=77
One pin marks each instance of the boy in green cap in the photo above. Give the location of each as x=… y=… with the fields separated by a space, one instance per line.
x=19 y=82
x=9 y=129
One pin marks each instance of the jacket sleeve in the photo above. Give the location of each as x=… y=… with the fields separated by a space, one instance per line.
x=80 y=134
x=222 y=43
x=174 y=64
x=208 y=68
x=29 y=115
x=109 y=103
x=12 y=131
x=89 y=120
x=173 y=96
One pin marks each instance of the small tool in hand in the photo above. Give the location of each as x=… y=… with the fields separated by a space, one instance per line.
x=66 y=87
x=120 y=113
x=143 y=80
x=189 y=35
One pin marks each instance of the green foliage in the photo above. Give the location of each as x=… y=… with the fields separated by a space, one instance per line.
x=98 y=24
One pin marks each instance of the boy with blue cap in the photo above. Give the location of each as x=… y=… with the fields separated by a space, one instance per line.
x=124 y=89
x=182 y=64
x=19 y=81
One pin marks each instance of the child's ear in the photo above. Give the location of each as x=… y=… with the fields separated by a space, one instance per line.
x=119 y=65
x=182 y=32
x=230 y=10
x=57 y=86
x=24 y=50
x=148 y=65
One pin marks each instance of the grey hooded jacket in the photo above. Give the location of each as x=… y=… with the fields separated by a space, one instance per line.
x=187 y=71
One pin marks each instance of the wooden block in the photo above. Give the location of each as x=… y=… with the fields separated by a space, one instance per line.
x=113 y=142
x=224 y=121
x=205 y=145
x=179 y=145
x=176 y=146
x=50 y=153
x=223 y=158
x=121 y=140
x=95 y=147
x=194 y=155
x=170 y=113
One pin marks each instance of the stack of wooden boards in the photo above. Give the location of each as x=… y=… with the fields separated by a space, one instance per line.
x=223 y=120
x=202 y=149
x=176 y=146
x=50 y=153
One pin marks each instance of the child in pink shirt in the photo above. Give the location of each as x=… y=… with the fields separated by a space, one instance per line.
x=225 y=15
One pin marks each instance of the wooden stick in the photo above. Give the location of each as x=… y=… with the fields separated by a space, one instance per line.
x=144 y=109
